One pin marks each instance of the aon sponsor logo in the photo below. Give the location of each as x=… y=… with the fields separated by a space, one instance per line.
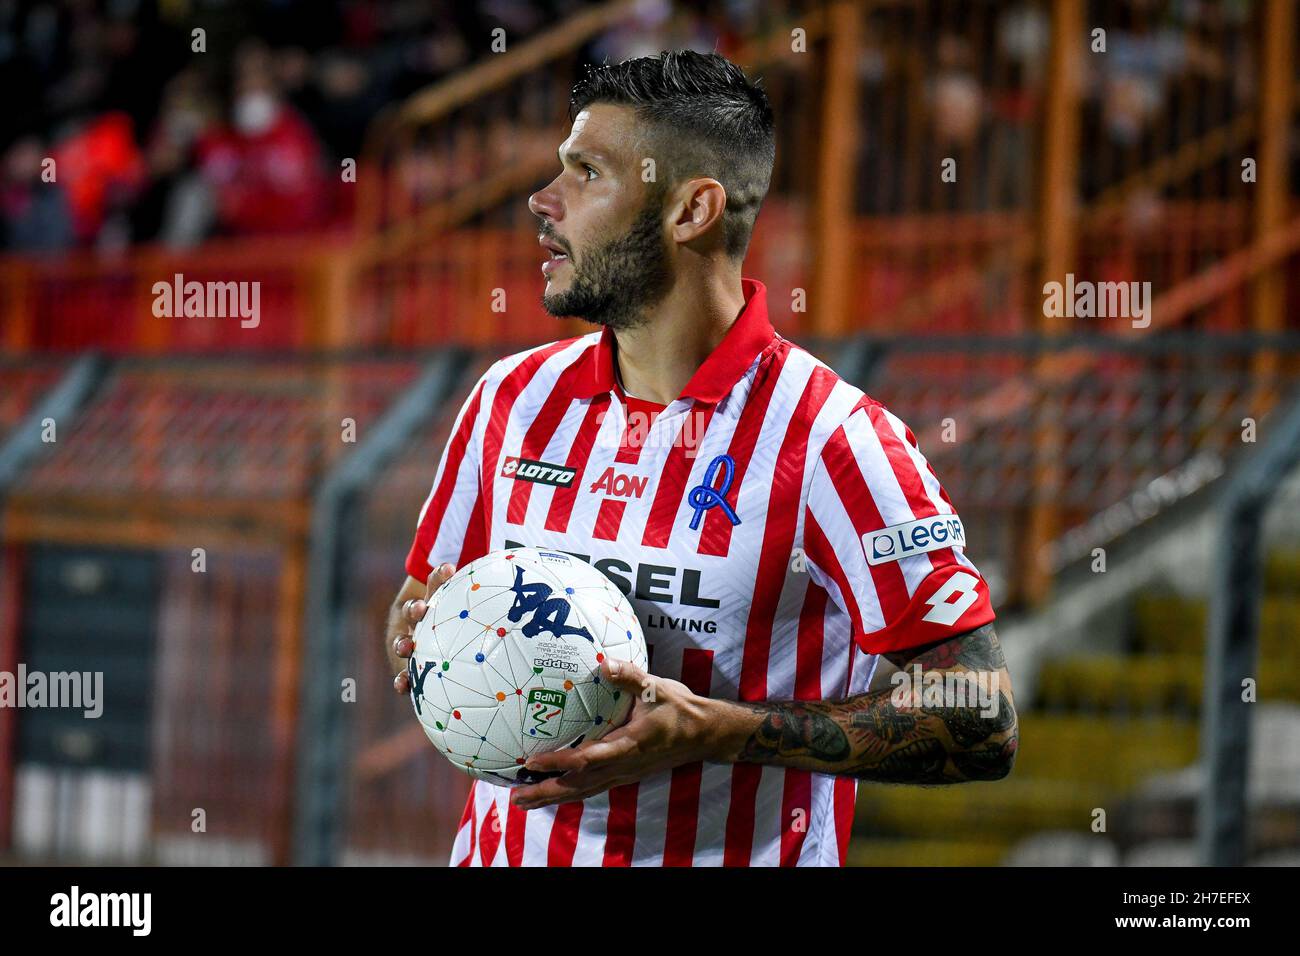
x=614 y=484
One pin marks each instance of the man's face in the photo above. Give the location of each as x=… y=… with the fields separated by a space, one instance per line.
x=602 y=226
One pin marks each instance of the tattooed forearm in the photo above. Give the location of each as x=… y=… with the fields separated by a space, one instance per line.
x=921 y=761
x=976 y=650
x=915 y=739
x=798 y=731
x=991 y=761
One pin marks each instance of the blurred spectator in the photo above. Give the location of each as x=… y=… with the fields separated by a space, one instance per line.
x=37 y=214
x=265 y=169
x=101 y=167
x=99 y=73
x=956 y=97
x=341 y=99
x=327 y=68
x=659 y=25
x=176 y=206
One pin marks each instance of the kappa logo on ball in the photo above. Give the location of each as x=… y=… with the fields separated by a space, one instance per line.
x=546 y=613
x=915 y=537
x=526 y=469
x=555 y=664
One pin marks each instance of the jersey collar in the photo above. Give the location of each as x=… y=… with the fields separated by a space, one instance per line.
x=747 y=338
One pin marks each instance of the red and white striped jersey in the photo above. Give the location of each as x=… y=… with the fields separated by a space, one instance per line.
x=774 y=528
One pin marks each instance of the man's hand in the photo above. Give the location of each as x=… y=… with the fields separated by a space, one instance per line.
x=407 y=611
x=871 y=736
x=668 y=726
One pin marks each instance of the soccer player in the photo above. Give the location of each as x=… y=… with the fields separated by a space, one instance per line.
x=777 y=531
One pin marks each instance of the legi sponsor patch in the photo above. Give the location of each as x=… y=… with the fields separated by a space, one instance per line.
x=544 y=473
x=914 y=537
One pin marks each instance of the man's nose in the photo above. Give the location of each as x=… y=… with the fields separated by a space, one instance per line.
x=545 y=204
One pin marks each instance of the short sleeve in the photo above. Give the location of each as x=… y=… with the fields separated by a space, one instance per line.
x=450 y=526
x=882 y=536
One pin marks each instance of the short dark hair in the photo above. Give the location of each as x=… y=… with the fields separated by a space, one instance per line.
x=706 y=119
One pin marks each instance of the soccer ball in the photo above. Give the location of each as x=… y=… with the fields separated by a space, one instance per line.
x=507 y=661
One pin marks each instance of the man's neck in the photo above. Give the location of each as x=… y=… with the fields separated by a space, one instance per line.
x=656 y=359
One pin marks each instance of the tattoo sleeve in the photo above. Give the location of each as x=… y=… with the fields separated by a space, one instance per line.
x=949 y=718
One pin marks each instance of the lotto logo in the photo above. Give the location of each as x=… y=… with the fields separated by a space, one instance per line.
x=619 y=486
x=525 y=469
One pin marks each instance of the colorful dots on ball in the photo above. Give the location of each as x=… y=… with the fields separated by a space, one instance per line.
x=464 y=614
x=479 y=657
x=568 y=685
x=501 y=632
x=456 y=714
x=500 y=696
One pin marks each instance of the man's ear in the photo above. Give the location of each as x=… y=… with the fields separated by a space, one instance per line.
x=697 y=211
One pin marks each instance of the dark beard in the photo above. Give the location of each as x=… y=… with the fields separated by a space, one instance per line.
x=617 y=280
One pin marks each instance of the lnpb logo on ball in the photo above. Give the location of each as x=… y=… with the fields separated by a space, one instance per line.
x=545 y=706
x=914 y=537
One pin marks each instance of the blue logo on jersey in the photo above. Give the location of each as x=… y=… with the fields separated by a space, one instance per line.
x=547 y=613
x=704 y=496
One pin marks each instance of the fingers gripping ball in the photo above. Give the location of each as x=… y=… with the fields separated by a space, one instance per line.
x=507 y=661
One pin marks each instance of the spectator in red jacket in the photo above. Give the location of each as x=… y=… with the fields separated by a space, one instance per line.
x=265 y=168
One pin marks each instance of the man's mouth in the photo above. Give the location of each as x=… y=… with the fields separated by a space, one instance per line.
x=555 y=255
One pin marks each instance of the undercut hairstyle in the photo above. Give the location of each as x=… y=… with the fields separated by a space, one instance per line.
x=704 y=118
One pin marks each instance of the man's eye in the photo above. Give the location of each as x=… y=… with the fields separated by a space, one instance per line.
x=591 y=173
